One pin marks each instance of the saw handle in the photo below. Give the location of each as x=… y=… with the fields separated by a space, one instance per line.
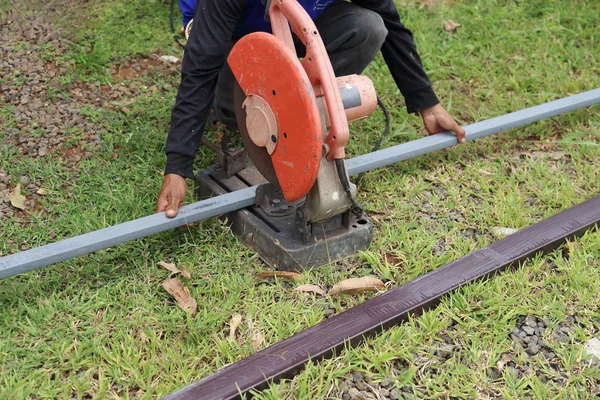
x=284 y=13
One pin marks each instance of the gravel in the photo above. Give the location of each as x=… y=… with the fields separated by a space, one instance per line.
x=530 y=334
x=42 y=112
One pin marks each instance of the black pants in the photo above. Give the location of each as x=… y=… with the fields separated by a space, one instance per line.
x=352 y=35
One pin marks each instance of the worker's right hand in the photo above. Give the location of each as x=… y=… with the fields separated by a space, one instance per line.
x=172 y=195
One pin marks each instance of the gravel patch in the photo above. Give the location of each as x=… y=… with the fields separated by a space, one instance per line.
x=358 y=387
x=530 y=334
x=41 y=109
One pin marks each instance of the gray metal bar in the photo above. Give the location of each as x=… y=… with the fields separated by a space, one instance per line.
x=84 y=244
x=478 y=130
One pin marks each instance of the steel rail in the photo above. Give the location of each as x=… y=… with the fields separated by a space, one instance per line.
x=87 y=243
x=288 y=357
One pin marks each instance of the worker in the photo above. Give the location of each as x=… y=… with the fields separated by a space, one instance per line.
x=353 y=33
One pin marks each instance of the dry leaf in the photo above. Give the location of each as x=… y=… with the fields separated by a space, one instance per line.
x=43 y=192
x=292 y=276
x=235 y=322
x=256 y=336
x=506 y=358
x=392 y=259
x=356 y=285
x=185 y=272
x=501 y=232
x=569 y=247
x=16 y=198
x=308 y=288
x=170 y=266
x=181 y=294
x=451 y=26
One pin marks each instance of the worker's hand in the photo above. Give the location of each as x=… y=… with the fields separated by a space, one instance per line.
x=172 y=195
x=437 y=120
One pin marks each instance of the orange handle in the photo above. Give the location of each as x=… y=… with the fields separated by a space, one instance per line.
x=284 y=13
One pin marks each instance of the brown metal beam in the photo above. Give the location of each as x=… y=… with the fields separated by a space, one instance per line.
x=288 y=357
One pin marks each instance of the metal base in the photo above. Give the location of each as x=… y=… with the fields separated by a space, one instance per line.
x=275 y=229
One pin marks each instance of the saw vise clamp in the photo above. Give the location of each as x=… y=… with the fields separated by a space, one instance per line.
x=293 y=119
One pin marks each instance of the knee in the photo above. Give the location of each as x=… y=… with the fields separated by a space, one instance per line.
x=370 y=30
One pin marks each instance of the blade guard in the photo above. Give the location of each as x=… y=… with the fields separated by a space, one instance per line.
x=266 y=67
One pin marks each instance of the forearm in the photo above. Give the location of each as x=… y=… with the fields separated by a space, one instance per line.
x=204 y=57
x=400 y=54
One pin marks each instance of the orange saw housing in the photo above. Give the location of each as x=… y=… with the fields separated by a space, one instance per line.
x=266 y=67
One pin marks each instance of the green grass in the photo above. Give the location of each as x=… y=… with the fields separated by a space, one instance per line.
x=101 y=325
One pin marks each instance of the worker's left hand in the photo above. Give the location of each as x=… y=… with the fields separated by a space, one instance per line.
x=437 y=120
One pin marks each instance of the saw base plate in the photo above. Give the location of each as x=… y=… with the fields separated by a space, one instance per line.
x=271 y=226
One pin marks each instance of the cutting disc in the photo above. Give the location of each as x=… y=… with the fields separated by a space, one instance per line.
x=265 y=67
x=259 y=155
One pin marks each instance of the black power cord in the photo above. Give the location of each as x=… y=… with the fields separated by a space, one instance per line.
x=386 y=131
x=343 y=174
x=341 y=165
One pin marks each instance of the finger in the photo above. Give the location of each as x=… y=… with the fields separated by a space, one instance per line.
x=161 y=204
x=460 y=134
x=173 y=208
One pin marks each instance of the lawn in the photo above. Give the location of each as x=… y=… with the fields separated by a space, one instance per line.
x=83 y=119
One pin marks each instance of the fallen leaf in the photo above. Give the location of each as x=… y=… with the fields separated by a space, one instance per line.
x=256 y=336
x=502 y=232
x=392 y=259
x=16 y=198
x=235 y=322
x=181 y=294
x=308 y=288
x=292 y=276
x=43 y=192
x=534 y=155
x=185 y=272
x=257 y=339
x=356 y=285
x=506 y=358
x=570 y=247
x=451 y=26
x=170 y=266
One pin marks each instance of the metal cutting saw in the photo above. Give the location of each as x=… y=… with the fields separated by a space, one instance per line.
x=292 y=116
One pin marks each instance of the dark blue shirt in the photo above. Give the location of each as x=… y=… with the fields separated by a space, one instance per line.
x=253 y=19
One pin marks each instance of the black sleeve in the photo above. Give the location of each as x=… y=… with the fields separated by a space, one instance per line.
x=204 y=57
x=400 y=54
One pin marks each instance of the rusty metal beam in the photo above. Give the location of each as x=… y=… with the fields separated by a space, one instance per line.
x=288 y=357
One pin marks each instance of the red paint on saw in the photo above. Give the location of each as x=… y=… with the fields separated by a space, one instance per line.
x=265 y=67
